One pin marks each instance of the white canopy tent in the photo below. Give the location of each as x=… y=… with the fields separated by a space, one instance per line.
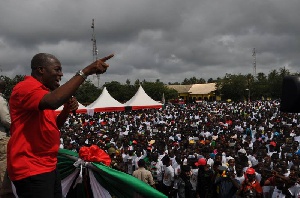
x=105 y=103
x=142 y=101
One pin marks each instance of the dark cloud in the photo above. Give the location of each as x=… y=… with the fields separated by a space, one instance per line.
x=168 y=40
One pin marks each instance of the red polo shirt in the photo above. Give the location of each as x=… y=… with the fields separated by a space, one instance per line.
x=34 y=143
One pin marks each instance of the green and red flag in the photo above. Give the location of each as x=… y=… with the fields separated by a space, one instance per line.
x=85 y=179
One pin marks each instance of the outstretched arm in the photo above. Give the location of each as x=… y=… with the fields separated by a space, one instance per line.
x=62 y=94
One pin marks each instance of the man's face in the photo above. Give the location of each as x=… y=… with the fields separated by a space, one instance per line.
x=207 y=167
x=188 y=174
x=251 y=177
x=52 y=74
x=231 y=162
x=295 y=159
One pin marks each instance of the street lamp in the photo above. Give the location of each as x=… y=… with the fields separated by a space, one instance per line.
x=248 y=94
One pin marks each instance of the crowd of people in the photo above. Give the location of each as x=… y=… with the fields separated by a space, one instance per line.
x=216 y=149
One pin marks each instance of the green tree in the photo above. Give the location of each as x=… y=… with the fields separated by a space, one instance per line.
x=170 y=93
x=193 y=80
x=137 y=82
x=274 y=83
x=120 y=92
x=87 y=93
x=175 y=83
x=156 y=90
x=127 y=92
x=275 y=79
x=201 y=81
x=210 y=80
x=233 y=87
x=10 y=83
x=260 y=87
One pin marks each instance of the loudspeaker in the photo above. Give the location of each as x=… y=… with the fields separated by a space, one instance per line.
x=290 y=98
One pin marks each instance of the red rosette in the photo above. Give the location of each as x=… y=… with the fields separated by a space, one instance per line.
x=94 y=154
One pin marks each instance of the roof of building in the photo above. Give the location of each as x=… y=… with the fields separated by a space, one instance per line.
x=180 y=88
x=194 y=88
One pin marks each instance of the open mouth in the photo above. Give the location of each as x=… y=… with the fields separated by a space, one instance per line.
x=57 y=82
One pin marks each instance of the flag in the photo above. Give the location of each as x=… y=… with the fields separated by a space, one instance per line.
x=82 y=179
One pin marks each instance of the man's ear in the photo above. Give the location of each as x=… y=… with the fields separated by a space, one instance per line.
x=40 y=69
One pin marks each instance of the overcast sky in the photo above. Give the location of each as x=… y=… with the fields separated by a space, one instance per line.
x=168 y=40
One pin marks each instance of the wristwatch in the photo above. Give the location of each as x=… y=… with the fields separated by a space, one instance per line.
x=80 y=73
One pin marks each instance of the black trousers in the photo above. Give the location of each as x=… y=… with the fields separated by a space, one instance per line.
x=46 y=185
x=167 y=190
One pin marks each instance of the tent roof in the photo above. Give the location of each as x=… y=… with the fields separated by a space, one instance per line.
x=142 y=101
x=105 y=102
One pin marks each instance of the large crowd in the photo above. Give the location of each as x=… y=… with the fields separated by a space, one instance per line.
x=215 y=149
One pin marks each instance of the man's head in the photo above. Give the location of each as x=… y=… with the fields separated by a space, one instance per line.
x=201 y=162
x=250 y=173
x=186 y=171
x=141 y=163
x=166 y=160
x=47 y=69
x=154 y=156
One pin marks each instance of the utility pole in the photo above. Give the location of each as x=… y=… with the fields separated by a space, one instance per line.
x=254 y=62
x=248 y=95
x=95 y=50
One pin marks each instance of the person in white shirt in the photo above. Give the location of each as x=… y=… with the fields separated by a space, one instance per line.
x=194 y=176
x=138 y=157
x=5 y=122
x=129 y=165
x=271 y=148
x=295 y=190
x=168 y=176
x=177 y=170
x=157 y=171
x=239 y=173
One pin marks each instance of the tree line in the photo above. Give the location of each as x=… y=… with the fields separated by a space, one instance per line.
x=260 y=87
x=236 y=87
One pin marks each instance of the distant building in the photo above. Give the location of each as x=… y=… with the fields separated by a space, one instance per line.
x=196 y=92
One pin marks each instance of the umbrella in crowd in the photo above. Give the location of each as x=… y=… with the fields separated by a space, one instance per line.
x=86 y=175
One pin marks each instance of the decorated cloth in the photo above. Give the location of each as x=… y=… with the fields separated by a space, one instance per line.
x=93 y=179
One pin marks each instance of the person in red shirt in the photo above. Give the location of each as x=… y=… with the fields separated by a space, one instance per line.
x=35 y=137
x=250 y=186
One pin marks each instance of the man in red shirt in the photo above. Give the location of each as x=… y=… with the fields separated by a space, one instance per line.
x=35 y=137
x=250 y=186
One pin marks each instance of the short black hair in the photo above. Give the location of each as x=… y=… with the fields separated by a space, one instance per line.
x=166 y=160
x=141 y=163
x=41 y=59
x=186 y=168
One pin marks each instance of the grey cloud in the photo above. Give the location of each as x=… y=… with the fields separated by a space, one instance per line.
x=152 y=39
